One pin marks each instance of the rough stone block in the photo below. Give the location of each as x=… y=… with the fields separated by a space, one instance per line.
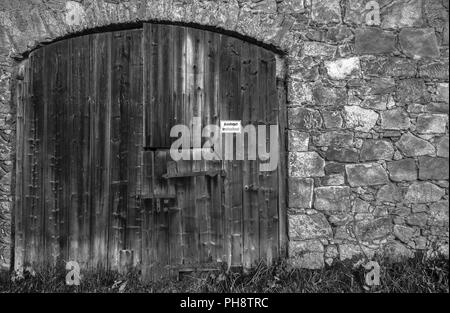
x=374 y=41
x=304 y=119
x=307 y=227
x=342 y=154
x=333 y=180
x=402 y=170
x=433 y=168
x=332 y=199
x=412 y=146
x=360 y=119
x=412 y=91
x=439 y=214
x=373 y=150
x=423 y=192
x=389 y=193
x=306 y=254
x=431 y=124
x=403 y=233
x=434 y=70
x=419 y=43
x=332 y=119
x=366 y=174
x=442 y=147
x=360 y=206
x=306 y=164
x=395 y=119
x=442 y=92
x=350 y=251
x=318 y=49
x=397 y=252
x=328 y=96
x=298 y=141
x=369 y=230
x=326 y=11
x=417 y=219
x=391 y=66
x=343 y=68
x=301 y=192
x=399 y=13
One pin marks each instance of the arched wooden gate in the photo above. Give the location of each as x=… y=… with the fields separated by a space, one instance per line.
x=94 y=179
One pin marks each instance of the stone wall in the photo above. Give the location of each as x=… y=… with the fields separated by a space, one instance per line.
x=367 y=108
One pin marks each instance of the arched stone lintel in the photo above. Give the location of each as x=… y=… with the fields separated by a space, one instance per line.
x=22 y=32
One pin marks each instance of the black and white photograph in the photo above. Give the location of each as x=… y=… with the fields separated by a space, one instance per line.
x=219 y=154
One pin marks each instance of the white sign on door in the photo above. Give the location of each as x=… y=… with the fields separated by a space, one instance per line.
x=231 y=127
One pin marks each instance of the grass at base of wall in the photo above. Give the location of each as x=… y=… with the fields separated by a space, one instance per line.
x=417 y=275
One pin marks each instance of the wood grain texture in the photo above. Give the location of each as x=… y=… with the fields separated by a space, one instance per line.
x=95 y=182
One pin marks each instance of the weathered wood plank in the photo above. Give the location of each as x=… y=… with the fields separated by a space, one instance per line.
x=134 y=147
x=224 y=111
x=272 y=176
x=85 y=165
x=119 y=130
x=282 y=170
x=101 y=115
x=249 y=81
x=263 y=199
x=62 y=150
x=37 y=213
x=148 y=250
x=235 y=166
x=19 y=218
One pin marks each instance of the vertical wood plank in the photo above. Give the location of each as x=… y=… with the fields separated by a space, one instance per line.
x=101 y=117
x=224 y=111
x=148 y=249
x=19 y=218
x=211 y=117
x=249 y=76
x=178 y=78
x=27 y=161
x=263 y=200
x=282 y=169
x=37 y=203
x=272 y=176
x=119 y=129
x=134 y=146
x=63 y=152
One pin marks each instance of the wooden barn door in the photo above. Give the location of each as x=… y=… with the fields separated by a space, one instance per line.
x=217 y=211
x=95 y=182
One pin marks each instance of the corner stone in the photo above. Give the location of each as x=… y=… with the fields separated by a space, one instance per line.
x=306 y=227
x=306 y=254
x=301 y=192
x=366 y=174
x=306 y=164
